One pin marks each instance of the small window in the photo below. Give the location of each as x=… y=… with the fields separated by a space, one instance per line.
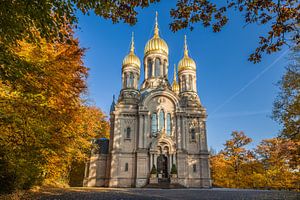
x=149 y=69
x=128 y=132
x=190 y=83
x=168 y=124
x=193 y=134
x=157 y=67
x=131 y=79
x=154 y=124
x=126 y=167
x=194 y=168
x=161 y=120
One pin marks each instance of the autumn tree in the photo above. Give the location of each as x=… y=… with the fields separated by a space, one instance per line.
x=20 y=19
x=236 y=155
x=280 y=160
x=44 y=123
x=287 y=105
x=273 y=164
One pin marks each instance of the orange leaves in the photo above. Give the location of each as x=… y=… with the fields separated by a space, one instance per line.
x=273 y=164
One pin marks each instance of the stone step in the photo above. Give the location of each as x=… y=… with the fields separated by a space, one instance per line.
x=165 y=185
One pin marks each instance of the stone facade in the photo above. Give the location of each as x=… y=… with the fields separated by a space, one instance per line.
x=155 y=126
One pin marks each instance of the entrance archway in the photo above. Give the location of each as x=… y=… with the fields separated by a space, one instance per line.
x=162 y=165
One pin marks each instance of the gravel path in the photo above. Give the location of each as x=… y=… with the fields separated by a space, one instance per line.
x=163 y=194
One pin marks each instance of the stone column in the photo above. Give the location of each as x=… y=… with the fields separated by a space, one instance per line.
x=175 y=160
x=149 y=125
x=140 y=133
x=199 y=132
x=146 y=70
x=155 y=160
x=166 y=69
x=170 y=162
x=145 y=130
x=178 y=132
x=151 y=161
x=153 y=67
x=117 y=134
x=187 y=87
x=204 y=138
x=183 y=133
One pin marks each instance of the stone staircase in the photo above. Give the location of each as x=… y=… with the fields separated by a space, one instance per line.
x=164 y=183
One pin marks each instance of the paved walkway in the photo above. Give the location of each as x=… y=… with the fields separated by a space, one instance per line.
x=164 y=194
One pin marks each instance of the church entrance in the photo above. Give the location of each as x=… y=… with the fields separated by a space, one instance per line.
x=162 y=166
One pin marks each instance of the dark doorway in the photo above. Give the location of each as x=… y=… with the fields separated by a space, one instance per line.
x=162 y=165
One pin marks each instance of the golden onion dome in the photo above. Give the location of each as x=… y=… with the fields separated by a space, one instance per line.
x=131 y=58
x=186 y=62
x=156 y=44
x=175 y=85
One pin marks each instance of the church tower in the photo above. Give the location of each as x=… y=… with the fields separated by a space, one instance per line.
x=158 y=130
x=156 y=60
x=187 y=79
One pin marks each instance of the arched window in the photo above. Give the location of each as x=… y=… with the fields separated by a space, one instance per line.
x=161 y=120
x=193 y=134
x=168 y=124
x=190 y=83
x=183 y=83
x=128 y=132
x=131 y=78
x=127 y=80
x=165 y=68
x=149 y=68
x=157 y=67
x=153 y=123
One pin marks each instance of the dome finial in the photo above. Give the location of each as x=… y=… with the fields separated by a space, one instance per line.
x=132 y=43
x=156 y=34
x=185 y=47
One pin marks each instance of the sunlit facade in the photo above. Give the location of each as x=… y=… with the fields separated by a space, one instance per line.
x=155 y=125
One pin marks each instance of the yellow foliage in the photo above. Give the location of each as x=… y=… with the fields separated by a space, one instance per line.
x=44 y=123
x=274 y=164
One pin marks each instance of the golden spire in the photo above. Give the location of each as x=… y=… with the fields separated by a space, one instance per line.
x=156 y=30
x=156 y=44
x=186 y=62
x=185 y=47
x=131 y=59
x=132 y=44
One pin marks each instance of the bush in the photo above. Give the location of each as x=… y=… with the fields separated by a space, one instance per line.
x=174 y=169
x=153 y=170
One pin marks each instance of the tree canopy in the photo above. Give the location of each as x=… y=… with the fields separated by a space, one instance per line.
x=287 y=105
x=44 y=122
x=273 y=164
x=21 y=19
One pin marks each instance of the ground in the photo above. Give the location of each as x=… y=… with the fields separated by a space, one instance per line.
x=164 y=194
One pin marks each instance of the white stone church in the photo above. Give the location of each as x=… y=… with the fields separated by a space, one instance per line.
x=155 y=127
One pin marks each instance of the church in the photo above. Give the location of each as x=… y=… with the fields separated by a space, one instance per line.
x=158 y=129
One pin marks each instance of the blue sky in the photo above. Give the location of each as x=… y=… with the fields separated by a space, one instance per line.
x=237 y=94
